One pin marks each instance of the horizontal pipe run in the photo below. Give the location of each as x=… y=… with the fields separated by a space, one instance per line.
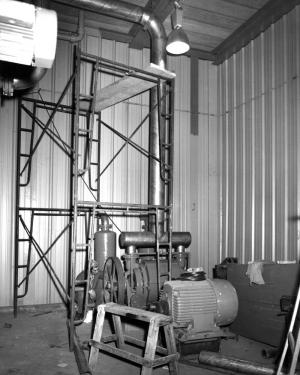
x=147 y=239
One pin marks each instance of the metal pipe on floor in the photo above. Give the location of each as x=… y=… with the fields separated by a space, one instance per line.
x=234 y=364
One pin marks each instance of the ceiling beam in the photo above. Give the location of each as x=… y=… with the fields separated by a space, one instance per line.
x=162 y=9
x=259 y=22
x=201 y=55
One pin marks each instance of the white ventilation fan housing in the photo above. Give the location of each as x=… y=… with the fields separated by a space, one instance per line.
x=28 y=34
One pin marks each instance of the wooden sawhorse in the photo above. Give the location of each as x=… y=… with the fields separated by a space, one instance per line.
x=168 y=354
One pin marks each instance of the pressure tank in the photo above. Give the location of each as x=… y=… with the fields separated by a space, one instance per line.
x=105 y=243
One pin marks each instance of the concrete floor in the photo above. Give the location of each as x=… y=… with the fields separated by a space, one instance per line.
x=36 y=342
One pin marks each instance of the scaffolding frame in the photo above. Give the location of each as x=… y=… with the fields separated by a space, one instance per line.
x=84 y=106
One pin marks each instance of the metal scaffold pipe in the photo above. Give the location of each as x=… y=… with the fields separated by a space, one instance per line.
x=158 y=56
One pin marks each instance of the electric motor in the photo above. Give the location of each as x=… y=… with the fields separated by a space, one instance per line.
x=205 y=305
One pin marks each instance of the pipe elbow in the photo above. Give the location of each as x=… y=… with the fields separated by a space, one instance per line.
x=30 y=80
x=158 y=38
x=19 y=78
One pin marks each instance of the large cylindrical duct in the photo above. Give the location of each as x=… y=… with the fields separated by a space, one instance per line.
x=158 y=56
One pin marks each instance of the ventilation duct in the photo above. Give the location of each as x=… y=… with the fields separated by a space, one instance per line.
x=28 y=37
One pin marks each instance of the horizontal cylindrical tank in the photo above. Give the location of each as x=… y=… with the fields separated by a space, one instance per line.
x=147 y=239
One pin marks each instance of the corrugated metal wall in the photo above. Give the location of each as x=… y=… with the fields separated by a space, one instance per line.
x=50 y=168
x=205 y=173
x=259 y=101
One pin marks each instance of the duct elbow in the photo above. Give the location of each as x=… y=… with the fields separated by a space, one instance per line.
x=22 y=84
x=17 y=78
x=158 y=39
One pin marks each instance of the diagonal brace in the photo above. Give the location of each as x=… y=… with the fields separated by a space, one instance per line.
x=49 y=121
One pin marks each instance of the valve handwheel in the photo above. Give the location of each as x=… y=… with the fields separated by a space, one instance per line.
x=113 y=281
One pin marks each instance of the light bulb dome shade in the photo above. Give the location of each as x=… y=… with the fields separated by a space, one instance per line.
x=178 y=42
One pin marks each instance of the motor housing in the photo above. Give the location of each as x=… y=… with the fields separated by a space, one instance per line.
x=201 y=306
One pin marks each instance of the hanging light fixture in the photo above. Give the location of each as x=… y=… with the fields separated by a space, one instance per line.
x=178 y=42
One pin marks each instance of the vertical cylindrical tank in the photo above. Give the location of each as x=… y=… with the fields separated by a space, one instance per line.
x=105 y=242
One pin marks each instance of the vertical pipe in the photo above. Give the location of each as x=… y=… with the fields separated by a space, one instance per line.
x=156 y=190
x=75 y=133
x=156 y=187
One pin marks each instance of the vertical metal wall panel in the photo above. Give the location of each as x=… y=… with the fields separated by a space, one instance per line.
x=7 y=186
x=297 y=113
x=260 y=169
x=257 y=148
x=204 y=185
x=181 y=194
x=239 y=138
x=293 y=43
x=213 y=175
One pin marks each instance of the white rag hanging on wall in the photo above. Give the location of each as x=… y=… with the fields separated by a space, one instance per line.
x=254 y=272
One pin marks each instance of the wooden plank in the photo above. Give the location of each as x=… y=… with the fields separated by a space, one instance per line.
x=120 y=353
x=204 y=41
x=192 y=25
x=131 y=356
x=212 y=18
x=126 y=88
x=119 y=331
x=119 y=91
x=150 y=346
x=171 y=345
x=258 y=23
x=138 y=314
x=142 y=344
x=255 y=4
x=97 y=336
x=223 y=7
